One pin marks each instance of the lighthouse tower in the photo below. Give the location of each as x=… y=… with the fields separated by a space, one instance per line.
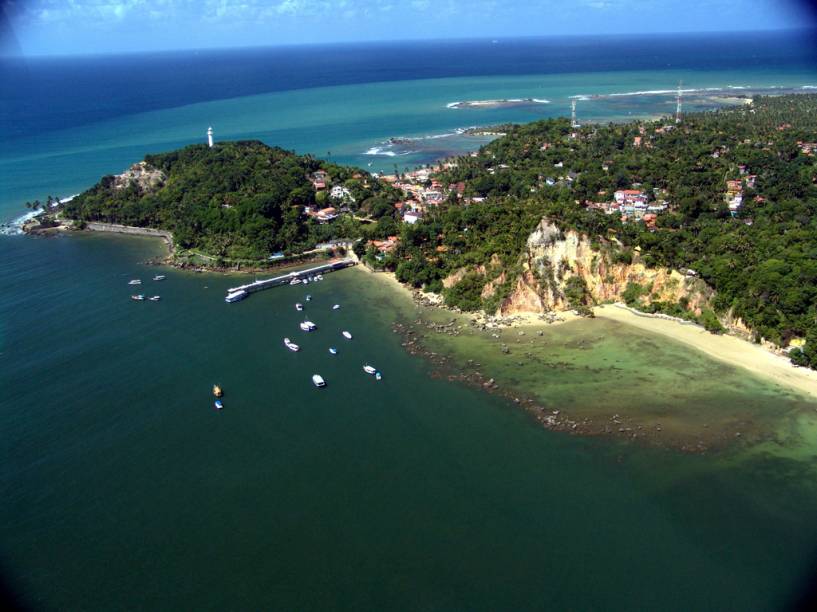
x=210 y=137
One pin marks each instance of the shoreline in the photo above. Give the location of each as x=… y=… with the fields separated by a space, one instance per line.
x=729 y=349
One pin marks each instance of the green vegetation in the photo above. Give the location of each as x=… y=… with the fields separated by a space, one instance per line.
x=235 y=201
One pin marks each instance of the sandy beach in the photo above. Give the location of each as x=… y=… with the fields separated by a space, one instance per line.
x=734 y=351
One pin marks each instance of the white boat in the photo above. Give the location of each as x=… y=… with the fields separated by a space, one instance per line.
x=308 y=326
x=291 y=345
x=236 y=296
x=295 y=281
x=159 y=277
x=299 y=307
x=378 y=376
x=318 y=380
x=333 y=350
x=370 y=369
x=336 y=307
x=306 y=281
x=135 y=281
x=346 y=335
x=319 y=277
x=218 y=405
x=137 y=298
x=308 y=298
x=155 y=298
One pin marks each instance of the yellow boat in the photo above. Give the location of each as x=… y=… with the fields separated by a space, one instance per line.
x=217 y=391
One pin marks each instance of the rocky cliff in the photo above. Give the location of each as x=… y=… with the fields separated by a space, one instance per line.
x=552 y=257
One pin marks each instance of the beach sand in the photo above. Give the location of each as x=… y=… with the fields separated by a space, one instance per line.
x=734 y=351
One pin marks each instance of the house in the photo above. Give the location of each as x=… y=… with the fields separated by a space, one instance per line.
x=412 y=217
x=339 y=192
x=750 y=181
x=386 y=246
x=630 y=196
x=637 y=141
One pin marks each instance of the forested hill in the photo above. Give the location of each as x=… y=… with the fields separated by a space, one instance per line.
x=760 y=256
x=238 y=200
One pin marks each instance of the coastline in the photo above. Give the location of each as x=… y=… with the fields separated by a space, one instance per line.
x=728 y=349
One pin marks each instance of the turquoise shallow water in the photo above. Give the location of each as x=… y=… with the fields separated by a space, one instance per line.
x=123 y=488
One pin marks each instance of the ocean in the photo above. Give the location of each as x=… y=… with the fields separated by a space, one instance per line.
x=124 y=488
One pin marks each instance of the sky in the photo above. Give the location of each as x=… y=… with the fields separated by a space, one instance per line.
x=65 y=27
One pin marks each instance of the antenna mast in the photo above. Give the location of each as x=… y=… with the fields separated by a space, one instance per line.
x=678 y=104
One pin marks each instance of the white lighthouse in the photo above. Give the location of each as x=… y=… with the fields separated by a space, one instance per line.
x=210 y=137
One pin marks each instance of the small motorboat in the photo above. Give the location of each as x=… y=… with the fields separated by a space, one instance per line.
x=319 y=277
x=291 y=345
x=218 y=405
x=137 y=298
x=333 y=350
x=299 y=307
x=318 y=380
x=217 y=391
x=295 y=281
x=346 y=335
x=135 y=281
x=306 y=281
x=378 y=376
x=308 y=326
x=369 y=369
x=336 y=307
x=159 y=277
x=155 y=298
x=308 y=298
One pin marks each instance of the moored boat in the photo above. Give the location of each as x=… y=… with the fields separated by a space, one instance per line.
x=369 y=369
x=308 y=326
x=135 y=281
x=218 y=405
x=217 y=391
x=155 y=298
x=291 y=345
x=137 y=298
x=378 y=376
x=346 y=335
x=159 y=277
x=308 y=298
x=333 y=350
x=318 y=380
x=336 y=307
x=295 y=281
x=299 y=307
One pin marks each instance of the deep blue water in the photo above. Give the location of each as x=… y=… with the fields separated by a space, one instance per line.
x=42 y=94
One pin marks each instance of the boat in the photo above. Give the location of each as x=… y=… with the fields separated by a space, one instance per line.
x=346 y=335
x=319 y=277
x=159 y=277
x=378 y=376
x=308 y=326
x=218 y=405
x=295 y=281
x=333 y=350
x=291 y=345
x=236 y=296
x=318 y=380
x=155 y=298
x=217 y=391
x=306 y=281
x=336 y=307
x=299 y=307
x=370 y=370
x=137 y=298
x=135 y=281
x=308 y=298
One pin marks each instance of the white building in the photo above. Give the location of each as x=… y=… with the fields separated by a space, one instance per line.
x=210 y=137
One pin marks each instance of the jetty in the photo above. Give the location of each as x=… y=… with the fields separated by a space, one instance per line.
x=286 y=279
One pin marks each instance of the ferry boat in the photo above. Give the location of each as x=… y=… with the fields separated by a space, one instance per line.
x=299 y=307
x=135 y=281
x=308 y=326
x=318 y=380
x=155 y=298
x=370 y=370
x=235 y=296
x=137 y=298
x=291 y=345
x=218 y=405
x=217 y=391
x=333 y=350
x=346 y=335
x=336 y=307
x=159 y=277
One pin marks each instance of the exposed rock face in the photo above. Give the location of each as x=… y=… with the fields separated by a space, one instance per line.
x=144 y=176
x=552 y=257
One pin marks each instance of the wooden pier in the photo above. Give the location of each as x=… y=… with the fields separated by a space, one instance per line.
x=286 y=279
